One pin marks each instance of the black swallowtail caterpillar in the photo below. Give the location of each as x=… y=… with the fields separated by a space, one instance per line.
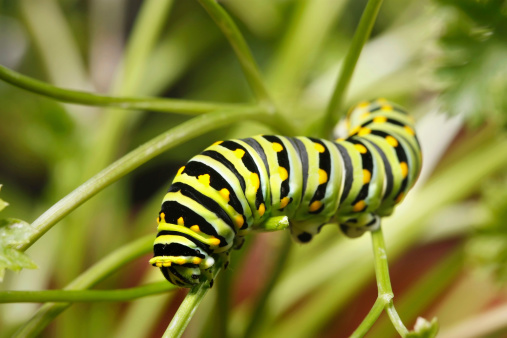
x=234 y=186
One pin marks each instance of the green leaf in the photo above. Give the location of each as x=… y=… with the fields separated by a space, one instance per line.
x=473 y=68
x=3 y=204
x=424 y=329
x=14 y=232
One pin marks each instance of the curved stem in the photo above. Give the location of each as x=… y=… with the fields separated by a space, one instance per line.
x=134 y=159
x=90 y=99
x=84 y=295
x=370 y=319
x=189 y=305
x=349 y=64
x=87 y=279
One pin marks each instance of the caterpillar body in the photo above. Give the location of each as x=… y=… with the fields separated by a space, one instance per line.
x=233 y=187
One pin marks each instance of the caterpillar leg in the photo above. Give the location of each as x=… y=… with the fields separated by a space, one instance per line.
x=356 y=227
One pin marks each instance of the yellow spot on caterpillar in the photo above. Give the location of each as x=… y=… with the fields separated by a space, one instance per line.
x=180 y=170
x=204 y=179
x=283 y=173
x=158 y=219
x=162 y=217
x=363 y=105
x=366 y=176
x=217 y=143
x=277 y=147
x=404 y=169
x=354 y=130
x=359 y=206
x=180 y=261
x=239 y=153
x=399 y=198
x=214 y=241
x=322 y=176
x=380 y=119
x=197 y=260
x=254 y=180
x=262 y=209
x=340 y=139
x=409 y=130
x=381 y=100
x=387 y=107
x=392 y=141
x=195 y=228
x=319 y=147
x=180 y=221
x=239 y=221
x=315 y=206
x=362 y=149
x=225 y=194
x=364 y=131
x=166 y=264
x=158 y=264
x=284 y=202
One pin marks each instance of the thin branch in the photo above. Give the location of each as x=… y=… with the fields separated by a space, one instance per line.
x=73 y=296
x=90 y=99
x=361 y=35
x=240 y=47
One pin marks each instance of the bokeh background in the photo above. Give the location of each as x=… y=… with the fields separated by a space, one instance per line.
x=444 y=60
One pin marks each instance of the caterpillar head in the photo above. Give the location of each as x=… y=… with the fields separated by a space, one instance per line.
x=182 y=264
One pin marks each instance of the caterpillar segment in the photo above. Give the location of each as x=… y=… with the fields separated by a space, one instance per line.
x=237 y=186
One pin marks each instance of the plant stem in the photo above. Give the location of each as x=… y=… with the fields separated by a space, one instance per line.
x=223 y=304
x=134 y=159
x=189 y=305
x=361 y=35
x=383 y=282
x=84 y=295
x=240 y=47
x=87 y=279
x=370 y=319
x=90 y=99
x=260 y=308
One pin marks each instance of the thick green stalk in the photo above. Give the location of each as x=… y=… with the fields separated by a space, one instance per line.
x=87 y=296
x=90 y=99
x=137 y=157
x=349 y=64
x=87 y=279
x=243 y=52
x=260 y=307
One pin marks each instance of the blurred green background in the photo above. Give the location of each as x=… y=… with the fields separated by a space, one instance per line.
x=444 y=60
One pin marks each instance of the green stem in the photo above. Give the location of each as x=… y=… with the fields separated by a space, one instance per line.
x=189 y=305
x=131 y=103
x=240 y=47
x=84 y=295
x=385 y=291
x=173 y=137
x=361 y=35
x=260 y=308
x=223 y=305
x=370 y=319
x=87 y=279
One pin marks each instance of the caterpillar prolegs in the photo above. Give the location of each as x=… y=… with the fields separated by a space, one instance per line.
x=233 y=187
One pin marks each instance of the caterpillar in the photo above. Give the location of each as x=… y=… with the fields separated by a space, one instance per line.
x=233 y=187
